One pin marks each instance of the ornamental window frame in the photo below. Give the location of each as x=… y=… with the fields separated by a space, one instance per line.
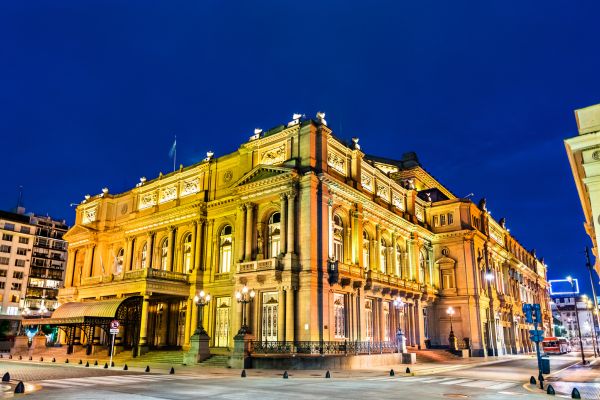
x=338 y=238
x=274 y=235
x=225 y=249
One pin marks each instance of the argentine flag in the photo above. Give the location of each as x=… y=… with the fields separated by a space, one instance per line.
x=173 y=148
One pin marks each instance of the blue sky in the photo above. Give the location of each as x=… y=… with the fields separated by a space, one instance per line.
x=91 y=94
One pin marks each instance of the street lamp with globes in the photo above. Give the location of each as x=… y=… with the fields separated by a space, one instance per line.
x=244 y=297
x=201 y=300
x=451 y=337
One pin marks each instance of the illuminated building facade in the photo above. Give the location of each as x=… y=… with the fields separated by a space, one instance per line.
x=326 y=236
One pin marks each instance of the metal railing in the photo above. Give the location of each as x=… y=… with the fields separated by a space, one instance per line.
x=323 y=347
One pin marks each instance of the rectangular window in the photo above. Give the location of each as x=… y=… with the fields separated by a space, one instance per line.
x=4 y=260
x=4 y=248
x=23 y=240
x=15 y=286
x=25 y=229
x=7 y=237
x=369 y=319
x=9 y=226
x=442 y=219
x=270 y=303
x=19 y=263
x=386 y=321
x=450 y=218
x=2 y=284
x=18 y=275
x=3 y=273
x=21 y=251
x=435 y=221
x=339 y=316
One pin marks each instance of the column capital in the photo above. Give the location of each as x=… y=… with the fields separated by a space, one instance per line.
x=249 y=206
x=282 y=196
x=291 y=194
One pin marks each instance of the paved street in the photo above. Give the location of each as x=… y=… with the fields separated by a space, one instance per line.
x=495 y=380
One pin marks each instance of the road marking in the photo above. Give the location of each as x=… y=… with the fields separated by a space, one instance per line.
x=480 y=384
x=504 y=385
x=456 y=381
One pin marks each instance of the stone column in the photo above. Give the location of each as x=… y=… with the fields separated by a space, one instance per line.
x=240 y=232
x=281 y=314
x=419 y=324
x=291 y=227
x=411 y=319
x=143 y=342
x=70 y=269
x=330 y=228
x=395 y=267
x=188 y=323
x=149 y=242
x=170 y=247
x=128 y=254
x=283 y=223
x=249 y=229
x=378 y=249
x=290 y=334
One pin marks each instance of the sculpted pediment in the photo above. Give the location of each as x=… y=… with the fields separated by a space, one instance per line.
x=78 y=230
x=445 y=262
x=264 y=173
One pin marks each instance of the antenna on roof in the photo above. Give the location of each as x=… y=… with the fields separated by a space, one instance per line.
x=19 y=199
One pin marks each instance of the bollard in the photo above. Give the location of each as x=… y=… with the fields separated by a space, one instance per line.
x=532 y=381
x=147 y=368
x=87 y=364
x=112 y=363
x=285 y=375
x=42 y=359
x=20 y=358
x=6 y=377
x=10 y=357
x=30 y=358
x=80 y=362
x=67 y=361
x=327 y=375
x=172 y=371
x=105 y=365
x=407 y=370
x=392 y=373
x=575 y=394
x=20 y=388
x=53 y=359
x=125 y=367
x=550 y=390
x=243 y=373
x=96 y=362
x=1 y=355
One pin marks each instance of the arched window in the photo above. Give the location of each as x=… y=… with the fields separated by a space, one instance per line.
x=225 y=250
x=187 y=253
x=422 y=266
x=119 y=261
x=398 y=260
x=338 y=238
x=164 y=254
x=274 y=235
x=383 y=257
x=366 y=251
x=144 y=256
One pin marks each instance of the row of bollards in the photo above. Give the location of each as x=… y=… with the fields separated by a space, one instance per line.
x=327 y=374
x=19 y=389
x=550 y=389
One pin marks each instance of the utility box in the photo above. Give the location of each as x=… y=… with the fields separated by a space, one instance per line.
x=545 y=365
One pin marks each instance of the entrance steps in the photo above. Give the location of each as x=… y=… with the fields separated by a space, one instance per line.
x=435 y=356
x=216 y=361
x=173 y=357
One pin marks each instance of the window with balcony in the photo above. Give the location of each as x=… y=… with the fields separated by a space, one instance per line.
x=119 y=260
x=274 y=232
x=187 y=253
x=164 y=254
x=338 y=238
x=144 y=256
x=398 y=260
x=383 y=257
x=422 y=266
x=366 y=251
x=225 y=249
x=339 y=329
x=369 y=319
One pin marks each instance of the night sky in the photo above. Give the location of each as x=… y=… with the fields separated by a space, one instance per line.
x=92 y=92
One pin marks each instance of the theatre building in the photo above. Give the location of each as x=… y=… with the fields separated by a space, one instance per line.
x=339 y=249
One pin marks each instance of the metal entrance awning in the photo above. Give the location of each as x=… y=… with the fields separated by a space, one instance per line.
x=80 y=312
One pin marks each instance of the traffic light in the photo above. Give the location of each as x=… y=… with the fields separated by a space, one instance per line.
x=527 y=310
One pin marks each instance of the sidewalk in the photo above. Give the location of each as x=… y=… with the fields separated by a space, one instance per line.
x=586 y=378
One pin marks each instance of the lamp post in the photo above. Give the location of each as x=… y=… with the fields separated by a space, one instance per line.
x=577 y=318
x=201 y=299
x=451 y=337
x=399 y=304
x=594 y=298
x=244 y=297
x=400 y=337
x=590 y=321
x=489 y=277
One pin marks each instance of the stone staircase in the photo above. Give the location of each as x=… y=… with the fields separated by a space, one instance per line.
x=435 y=356
x=173 y=357
x=216 y=361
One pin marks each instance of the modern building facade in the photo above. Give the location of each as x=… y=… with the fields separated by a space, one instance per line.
x=583 y=151
x=337 y=247
x=563 y=309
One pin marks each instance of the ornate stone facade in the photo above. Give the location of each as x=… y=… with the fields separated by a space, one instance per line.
x=326 y=237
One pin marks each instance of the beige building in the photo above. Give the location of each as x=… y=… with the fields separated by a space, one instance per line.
x=583 y=151
x=339 y=247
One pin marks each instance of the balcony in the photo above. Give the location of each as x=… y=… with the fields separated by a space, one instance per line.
x=351 y=271
x=270 y=264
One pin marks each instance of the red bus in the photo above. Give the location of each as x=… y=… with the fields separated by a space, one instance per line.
x=556 y=345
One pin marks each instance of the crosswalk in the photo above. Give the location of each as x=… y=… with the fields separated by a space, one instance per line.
x=112 y=380
x=475 y=383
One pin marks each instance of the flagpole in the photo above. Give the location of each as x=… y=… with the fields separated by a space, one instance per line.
x=175 y=154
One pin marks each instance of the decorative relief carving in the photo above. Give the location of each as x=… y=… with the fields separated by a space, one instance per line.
x=147 y=200
x=89 y=215
x=337 y=162
x=227 y=176
x=596 y=155
x=383 y=192
x=367 y=182
x=168 y=194
x=419 y=213
x=272 y=156
x=190 y=187
x=496 y=235
x=124 y=209
x=398 y=201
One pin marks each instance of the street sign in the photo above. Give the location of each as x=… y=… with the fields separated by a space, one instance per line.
x=528 y=313
x=114 y=331
x=536 y=335
x=114 y=324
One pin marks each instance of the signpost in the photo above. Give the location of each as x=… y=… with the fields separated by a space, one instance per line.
x=114 y=329
x=533 y=315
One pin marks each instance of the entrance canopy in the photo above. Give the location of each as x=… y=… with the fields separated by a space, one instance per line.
x=84 y=312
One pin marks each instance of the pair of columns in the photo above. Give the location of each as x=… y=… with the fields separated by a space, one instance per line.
x=287 y=226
